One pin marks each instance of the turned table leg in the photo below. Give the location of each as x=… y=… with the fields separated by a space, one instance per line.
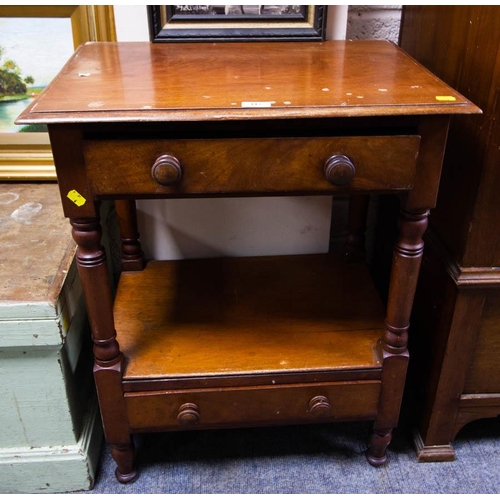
x=132 y=256
x=108 y=360
x=405 y=269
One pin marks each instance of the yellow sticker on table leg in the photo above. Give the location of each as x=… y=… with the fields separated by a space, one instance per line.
x=76 y=198
x=448 y=98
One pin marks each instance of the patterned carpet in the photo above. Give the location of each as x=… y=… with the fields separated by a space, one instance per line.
x=304 y=460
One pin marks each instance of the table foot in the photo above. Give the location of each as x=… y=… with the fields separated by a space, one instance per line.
x=376 y=453
x=375 y=461
x=124 y=456
x=130 y=477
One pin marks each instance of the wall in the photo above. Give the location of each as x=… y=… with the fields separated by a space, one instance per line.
x=374 y=21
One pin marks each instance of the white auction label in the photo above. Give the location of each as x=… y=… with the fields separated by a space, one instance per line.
x=256 y=104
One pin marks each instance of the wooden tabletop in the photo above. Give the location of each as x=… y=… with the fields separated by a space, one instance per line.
x=142 y=81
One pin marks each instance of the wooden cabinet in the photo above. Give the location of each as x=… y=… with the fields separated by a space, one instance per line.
x=246 y=341
x=457 y=318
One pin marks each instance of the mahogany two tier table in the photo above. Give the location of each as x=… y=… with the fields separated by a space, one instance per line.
x=228 y=342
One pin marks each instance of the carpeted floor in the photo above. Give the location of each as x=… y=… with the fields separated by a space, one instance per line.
x=304 y=459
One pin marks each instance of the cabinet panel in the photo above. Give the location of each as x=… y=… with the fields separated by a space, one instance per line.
x=484 y=373
x=464 y=52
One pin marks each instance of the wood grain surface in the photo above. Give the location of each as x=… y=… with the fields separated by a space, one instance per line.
x=465 y=52
x=456 y=334
x=252 y=165
x=250 y=80
x=250 y=315
x=250 y=337
x=251 y=406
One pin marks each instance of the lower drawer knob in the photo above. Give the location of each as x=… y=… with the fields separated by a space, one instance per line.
x=339 y=170
x=166 y=170
x=189 y=414
x=319 y=406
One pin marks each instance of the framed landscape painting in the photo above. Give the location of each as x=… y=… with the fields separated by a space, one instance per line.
x=209 y=23
x=35 y=43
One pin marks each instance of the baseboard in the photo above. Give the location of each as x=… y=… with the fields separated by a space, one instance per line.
x=54 y=469
x=436 y=453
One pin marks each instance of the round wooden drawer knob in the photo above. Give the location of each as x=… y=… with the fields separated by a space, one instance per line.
x=339 y=170
x=166 y=170
x=319 y=406
x=189 y=414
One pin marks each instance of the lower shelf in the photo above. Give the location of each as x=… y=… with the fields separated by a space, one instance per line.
x=248 y=321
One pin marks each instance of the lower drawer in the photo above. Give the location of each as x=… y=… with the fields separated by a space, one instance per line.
x=249 y=406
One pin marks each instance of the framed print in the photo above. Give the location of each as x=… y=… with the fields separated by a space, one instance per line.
x=209 y=23
x=35 y=42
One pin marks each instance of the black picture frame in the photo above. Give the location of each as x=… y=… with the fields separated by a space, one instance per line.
x=166 y=24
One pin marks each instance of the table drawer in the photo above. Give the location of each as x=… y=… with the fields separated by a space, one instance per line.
x=251 y=165
x=247 y=406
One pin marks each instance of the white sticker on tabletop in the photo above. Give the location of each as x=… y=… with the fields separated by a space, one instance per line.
x=256 y=104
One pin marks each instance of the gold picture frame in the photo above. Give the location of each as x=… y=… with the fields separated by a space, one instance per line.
x=28 y=156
